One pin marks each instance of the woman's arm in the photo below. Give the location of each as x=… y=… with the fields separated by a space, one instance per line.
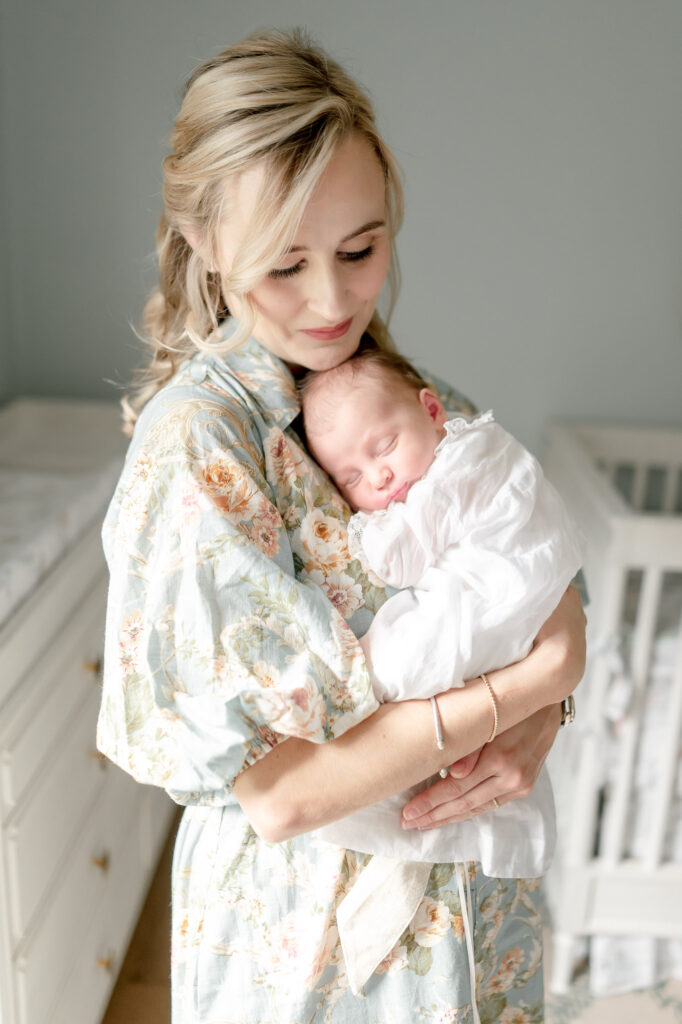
x=300 y=786
x=504 y=770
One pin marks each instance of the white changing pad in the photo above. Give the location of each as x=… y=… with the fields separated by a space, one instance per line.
x=59 y=463
x=41 y=514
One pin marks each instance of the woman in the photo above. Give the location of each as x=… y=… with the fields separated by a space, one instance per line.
x=234 y=606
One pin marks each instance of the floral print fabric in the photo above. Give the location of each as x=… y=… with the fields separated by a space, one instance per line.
x=233 y=613
x=255 y=939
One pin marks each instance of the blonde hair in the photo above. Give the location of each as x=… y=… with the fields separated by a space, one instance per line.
x=277 y=100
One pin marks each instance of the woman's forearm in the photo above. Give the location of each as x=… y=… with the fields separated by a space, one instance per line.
x=300 y=786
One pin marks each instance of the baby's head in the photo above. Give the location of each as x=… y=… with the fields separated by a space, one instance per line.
x=374 y=425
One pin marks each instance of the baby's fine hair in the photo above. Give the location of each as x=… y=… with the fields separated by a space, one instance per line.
x=369 y=361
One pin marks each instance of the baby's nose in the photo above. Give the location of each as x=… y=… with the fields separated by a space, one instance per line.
x=383 y=476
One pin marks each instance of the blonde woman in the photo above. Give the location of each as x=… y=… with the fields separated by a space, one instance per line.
x=233 y=676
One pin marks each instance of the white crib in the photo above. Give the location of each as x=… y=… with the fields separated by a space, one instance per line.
x=616 y=772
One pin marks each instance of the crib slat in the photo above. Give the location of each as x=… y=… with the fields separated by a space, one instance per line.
x=576 y=768
x=668 y=759
x=641 y=653
x=639 y=486
x=670 y=493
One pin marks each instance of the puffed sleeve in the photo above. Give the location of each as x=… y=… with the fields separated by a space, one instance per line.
x=214 y=651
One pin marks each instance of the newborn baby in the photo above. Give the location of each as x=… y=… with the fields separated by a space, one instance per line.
x=457 y=514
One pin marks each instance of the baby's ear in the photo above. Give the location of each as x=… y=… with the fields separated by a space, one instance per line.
x=433 y=406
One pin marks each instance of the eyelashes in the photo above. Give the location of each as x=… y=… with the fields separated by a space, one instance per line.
x=287 y=272
x=359 y=254
x=385 y=446
x=346 y=257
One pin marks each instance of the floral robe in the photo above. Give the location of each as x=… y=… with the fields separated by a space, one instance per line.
x=233 y=613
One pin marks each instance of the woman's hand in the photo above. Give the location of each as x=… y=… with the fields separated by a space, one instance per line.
x=507 y=768
x=503 y=770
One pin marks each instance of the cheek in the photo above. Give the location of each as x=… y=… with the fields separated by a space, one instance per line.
x=370 y=281
x=274 y=303
x=426 y=457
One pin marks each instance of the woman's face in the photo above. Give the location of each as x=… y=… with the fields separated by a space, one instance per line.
x=312 y=308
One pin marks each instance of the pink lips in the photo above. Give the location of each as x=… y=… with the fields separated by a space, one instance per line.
x=400 y=494
x=330 y=333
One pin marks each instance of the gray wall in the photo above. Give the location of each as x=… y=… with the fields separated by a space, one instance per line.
x=542 y=146
x=5 y=241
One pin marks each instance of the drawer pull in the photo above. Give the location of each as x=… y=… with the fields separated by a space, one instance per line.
x=95 y=667
x=107 y=962
x=101 y=862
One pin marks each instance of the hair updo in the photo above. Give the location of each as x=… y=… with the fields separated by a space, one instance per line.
x=273 y=99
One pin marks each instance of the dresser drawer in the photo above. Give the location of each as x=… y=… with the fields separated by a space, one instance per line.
x=101 y=874
x=49 y=698
x=98 y=960
x=39 y=833
x=40 y=620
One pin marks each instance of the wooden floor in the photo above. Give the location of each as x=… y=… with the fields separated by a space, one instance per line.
x=142 y=992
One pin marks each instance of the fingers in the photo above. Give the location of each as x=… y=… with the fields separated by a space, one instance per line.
x=431 y=798
x=479 y=800
x=450 y=797
x=465 y=766
x=506 y=769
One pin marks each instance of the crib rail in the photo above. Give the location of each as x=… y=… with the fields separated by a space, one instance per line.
x=619 y=794
x=670 y=746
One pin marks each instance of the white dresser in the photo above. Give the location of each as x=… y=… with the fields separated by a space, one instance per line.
x=79 y=839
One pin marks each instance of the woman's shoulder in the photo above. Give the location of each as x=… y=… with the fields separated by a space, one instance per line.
x=197 y=444
x=202 y=407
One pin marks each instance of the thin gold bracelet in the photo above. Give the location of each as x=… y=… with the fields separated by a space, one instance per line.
x=493 y=701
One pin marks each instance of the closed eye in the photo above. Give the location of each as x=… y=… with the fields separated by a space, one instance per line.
x=357 y=255
x=286 y=271
x=386 y=445
x=353 y=256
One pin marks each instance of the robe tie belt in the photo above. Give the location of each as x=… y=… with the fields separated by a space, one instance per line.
x=378 y=909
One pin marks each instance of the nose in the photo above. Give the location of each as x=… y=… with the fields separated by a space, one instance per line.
x=382 y=476
x=327 y=296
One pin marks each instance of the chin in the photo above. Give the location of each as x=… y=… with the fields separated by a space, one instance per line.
x=328 y=358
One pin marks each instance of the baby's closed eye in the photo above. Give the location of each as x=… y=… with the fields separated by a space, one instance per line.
x=385 y=445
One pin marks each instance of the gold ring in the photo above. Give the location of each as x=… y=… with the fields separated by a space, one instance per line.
x=497 y=806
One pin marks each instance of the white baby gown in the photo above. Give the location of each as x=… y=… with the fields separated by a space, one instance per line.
x=484 y=548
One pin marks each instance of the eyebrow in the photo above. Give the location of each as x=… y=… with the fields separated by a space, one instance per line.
x=369 y=226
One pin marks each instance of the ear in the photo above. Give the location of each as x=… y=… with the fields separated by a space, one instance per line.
x=194 y=239
x=192 y=236
x=433 y=406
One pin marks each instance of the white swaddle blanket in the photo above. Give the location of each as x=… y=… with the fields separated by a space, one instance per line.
x=485 y=549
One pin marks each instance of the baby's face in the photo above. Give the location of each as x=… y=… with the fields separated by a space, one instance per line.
x=381 y=440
